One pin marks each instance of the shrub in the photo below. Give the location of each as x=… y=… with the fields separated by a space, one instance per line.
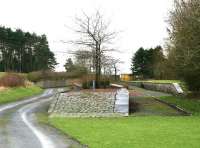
x=87 y=82
x=85 y=85
x=104 y=83
x=12 y=80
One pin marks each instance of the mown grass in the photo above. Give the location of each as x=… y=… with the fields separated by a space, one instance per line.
x=190 y=105
x=133 y=132
x=137 y=131
x=18 y=93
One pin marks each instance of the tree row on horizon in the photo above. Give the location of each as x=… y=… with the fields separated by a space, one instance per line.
x=24 y=51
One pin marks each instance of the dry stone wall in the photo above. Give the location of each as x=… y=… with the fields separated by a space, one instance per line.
x=52 y=83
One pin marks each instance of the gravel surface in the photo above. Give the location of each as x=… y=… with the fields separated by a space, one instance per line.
x=83 y=104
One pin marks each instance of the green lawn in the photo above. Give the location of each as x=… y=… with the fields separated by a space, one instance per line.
x=137 y=131
x=133 y=132
x=18 y=93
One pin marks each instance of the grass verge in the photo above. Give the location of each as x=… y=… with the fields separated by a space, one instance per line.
x=190 y=105
x=2 y=74
x=160 y=81
x=18 y=93
x=137 y=132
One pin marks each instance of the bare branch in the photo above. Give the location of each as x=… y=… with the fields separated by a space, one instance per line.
x=95 y=35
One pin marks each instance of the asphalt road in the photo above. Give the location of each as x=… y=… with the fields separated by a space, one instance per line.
x=19 y=127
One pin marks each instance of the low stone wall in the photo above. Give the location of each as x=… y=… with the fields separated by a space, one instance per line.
x=172 y=88
x=138 y=84
x=90 y=104
x=52 y=83
x=83 y=104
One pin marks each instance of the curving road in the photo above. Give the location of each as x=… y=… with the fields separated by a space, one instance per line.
x=19 y=127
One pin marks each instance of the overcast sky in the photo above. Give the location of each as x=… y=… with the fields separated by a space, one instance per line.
x=141 y=22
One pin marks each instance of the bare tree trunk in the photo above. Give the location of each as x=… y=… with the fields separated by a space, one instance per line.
x=94 y=34
x=115 y=72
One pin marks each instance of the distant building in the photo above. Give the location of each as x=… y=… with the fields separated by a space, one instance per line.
x=126 y=77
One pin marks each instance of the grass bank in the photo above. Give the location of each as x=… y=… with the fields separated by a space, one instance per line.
x=137 y=132
x=190 y=105
x=160 y=81
x=4 y=73
x=18 y=93
x=1 y=74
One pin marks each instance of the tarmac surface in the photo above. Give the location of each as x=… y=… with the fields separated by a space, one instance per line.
x=19 y=127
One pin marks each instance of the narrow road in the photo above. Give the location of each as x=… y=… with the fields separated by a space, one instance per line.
x=19 y=127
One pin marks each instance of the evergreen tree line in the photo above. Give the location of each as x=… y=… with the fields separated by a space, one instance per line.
x=149 y=63
x=24 y=52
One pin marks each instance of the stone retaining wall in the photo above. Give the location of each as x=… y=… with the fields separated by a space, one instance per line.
x=52 y=83
x=172 y=88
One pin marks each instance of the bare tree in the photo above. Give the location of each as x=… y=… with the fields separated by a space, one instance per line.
x=95 y=35
x=110 y=64
x=115 y=63
x=84 y=58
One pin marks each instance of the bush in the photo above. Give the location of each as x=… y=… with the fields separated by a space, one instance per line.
x=102 y=84
x=87 y=81
x=184 y=42
x=85 y=85
x=12 y=80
